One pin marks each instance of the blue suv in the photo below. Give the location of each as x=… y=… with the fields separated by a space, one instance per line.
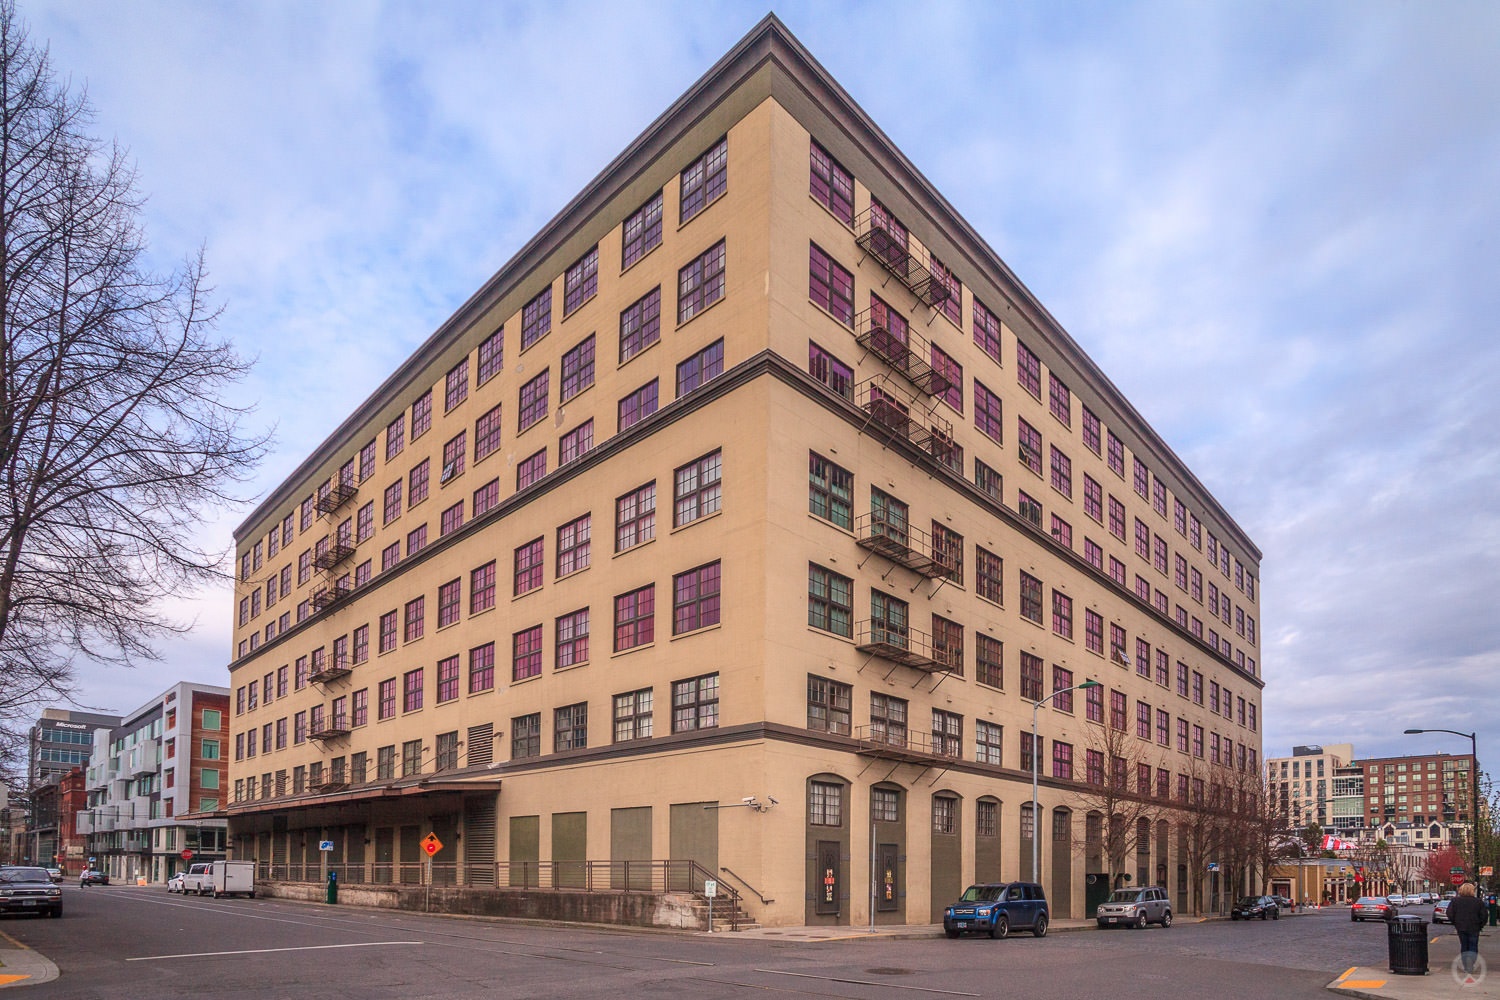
x=997 y=908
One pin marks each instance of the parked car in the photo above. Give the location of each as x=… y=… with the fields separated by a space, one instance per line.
x=195 y=880
x=1283 y=902
x=1396 y=899
x=89 y=876
x=1135 y=908
x=1440 y=912
x=1256 y=906
x=25 y=889
x=55 y=874
x=997 y=908
x=1372 y=908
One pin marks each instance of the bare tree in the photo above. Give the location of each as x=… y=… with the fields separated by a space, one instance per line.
x=1118 y=793
x=114 y=438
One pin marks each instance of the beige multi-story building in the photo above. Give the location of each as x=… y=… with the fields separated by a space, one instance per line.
x=1304 y=782
x=860 y=501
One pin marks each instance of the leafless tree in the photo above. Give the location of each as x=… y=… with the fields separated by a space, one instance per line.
x=114 y=436
x=1119 y=791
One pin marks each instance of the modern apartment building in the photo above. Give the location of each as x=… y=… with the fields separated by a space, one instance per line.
x=1347 y=803
x=1304 y=782
x=149 y=779
x=1418 y=788
x=861 y=502
x=60 y=741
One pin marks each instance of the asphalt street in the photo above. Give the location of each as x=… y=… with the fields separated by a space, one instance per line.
x=123 y=942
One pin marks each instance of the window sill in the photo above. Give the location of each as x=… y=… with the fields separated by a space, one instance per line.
x=683 y=224
x=572 y=666
x=846 y=326
x=847 y=225
x=697 y=631
x=643 y=350
x=580 y=392
x=539 y=420
x=515 y=682
x=570 y=313
x=569 y=575
x=992 y=603
x=633 y=649
x=700 y=312
x=445 y=483
x=633 y=548
x=522 y=596
x=832 y=524
x=831 y=635
x=633 y=264
x=696 y=520
x=538 y=340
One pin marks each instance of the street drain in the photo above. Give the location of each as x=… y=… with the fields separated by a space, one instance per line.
x=889 y=972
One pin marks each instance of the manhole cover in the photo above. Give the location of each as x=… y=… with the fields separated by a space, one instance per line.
x=883 y=971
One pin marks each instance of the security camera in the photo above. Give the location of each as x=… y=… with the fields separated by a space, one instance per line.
x=772 y=800
x=748 y=799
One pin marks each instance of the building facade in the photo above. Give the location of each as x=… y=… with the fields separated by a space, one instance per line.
x=59 y=742
x=860 y=503
x=149 y=781
x=1418 y=788
x=1304 y=782
x=1347 y=804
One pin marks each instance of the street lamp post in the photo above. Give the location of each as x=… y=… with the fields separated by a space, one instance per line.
x=1473 y=787
x=1036 y=843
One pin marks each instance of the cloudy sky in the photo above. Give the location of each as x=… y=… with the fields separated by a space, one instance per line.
x=1274 y=225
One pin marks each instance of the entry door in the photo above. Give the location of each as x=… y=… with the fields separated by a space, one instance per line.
x=828 y=889
x=886 y=859
x=385 y=854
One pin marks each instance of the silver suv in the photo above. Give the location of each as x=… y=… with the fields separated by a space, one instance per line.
x=1135 y=908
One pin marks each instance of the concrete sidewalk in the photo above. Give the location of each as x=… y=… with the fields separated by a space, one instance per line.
x=20 y=966
x=1442 y=980
x=844 y=932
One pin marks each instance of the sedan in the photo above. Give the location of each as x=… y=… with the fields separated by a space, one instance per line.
x=92 y=877
x=174 y=884
x=1396 y=899
x=1256 y=906
x=1372 y=908
x=1440 y=912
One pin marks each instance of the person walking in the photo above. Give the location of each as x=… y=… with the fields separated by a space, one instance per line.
x=1467 y=915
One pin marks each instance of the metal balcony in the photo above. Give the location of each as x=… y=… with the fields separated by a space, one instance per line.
x=333 y=555
x=908 y=264
x=891 y=415
x=339 y=493
x=330 y=781
x=333 y=668
x=905 y=351
x=332 y=729
x=903 y=745
x=900 y=543
x=330 y=597
x=899 y=644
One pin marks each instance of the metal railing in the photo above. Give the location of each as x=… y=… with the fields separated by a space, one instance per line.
x=893 y=537
x=339 y=493
x=893 y=250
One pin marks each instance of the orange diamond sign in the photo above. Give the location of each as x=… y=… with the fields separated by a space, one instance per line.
x=431 y=844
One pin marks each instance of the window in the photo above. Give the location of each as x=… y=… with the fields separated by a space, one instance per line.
x=1062 y=759
x=395 y=437
x=411 y=690
x=456 y=385
x=988 y=480
x=491 y=355
x=948 y=552
x=1117 y=703
x=573 y=639
x=1062 y=679
x=385 y=762
x=830 y=286
x=640 y=326
x=453 y=456
x=576 y=443
x=1060 y=400
x=392 y=508
x=534 y=400
x=704 y=180
x=487 y=434
x=635 y=618
x=1031 y=677
x=950 y=377
x=1029 y=440
x=952 y=303
x=830 y=601
x=828 y=705
x=1093 y=631
x=700 y=283
x=526 y=660
x=885 y=805
x=1028 y=370
x=638 y=405
x=1062 y=614
x=632 y=715
x=365 y=524
x=701 y=367
x=1116 y=518
x=482 y=668
x=1158 y=496
x=1093 y=554
x=416 y=487
x=695 y=599
x=987 y=413
x=696 y=489
x=988 y=661
x=1062 y=473
x=581 y=280
x=695 y=703
x=889 y=619
x=635 y=517
x=528 y=566
x=529 y=470
x=1142 y=479
x=1180 y=570
x=889 y=235
x=536 y=318
x=989 y=575
x=486 y=497
x=1093 y=704
x=573 y=545
x=987 y=743
x=830 y=491
x=831 y=185
x=830 y=371
x=1159 y=554
x=1116 y=457
x=447 y=679
x=641 y=232
x=1143 y=720
x=948 y=644
x=888 y=719
x=570 y=727
x=416 y=540
x=421 y=415
x=825 y=804
x=947 y=733
x=452 y=519
x=1031 y=598
x=448 y=598
x=414 y=619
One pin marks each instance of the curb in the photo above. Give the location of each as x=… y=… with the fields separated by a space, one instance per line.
x=30 y=966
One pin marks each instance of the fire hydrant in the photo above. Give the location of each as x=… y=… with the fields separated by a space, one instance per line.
x=333 y=887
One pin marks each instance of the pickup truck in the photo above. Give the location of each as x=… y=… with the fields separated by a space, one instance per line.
x=193 y=880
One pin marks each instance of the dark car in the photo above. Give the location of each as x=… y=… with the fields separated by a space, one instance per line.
x=1372 y=908
x=29 y=890
x=1256 y=906
x=997 y=908
x=91 y=877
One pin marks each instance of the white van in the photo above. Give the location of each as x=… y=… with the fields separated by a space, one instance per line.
x=230 y=878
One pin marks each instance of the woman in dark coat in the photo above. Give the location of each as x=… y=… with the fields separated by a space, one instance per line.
x=1467 y=915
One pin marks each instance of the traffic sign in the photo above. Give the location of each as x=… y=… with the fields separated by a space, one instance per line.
x=1458 y=879
x=325 y=845
x=710 y=888
x=1456 y=870
x=187 y=855
x=431 y=844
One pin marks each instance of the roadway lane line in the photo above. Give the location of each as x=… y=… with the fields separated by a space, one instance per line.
x=267 y=951
x=867 y=982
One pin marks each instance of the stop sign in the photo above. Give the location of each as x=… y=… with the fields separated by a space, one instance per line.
x=1458 y=880
x=187 y=855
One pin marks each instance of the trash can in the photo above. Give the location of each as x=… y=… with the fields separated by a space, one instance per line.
x=1406 y=939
